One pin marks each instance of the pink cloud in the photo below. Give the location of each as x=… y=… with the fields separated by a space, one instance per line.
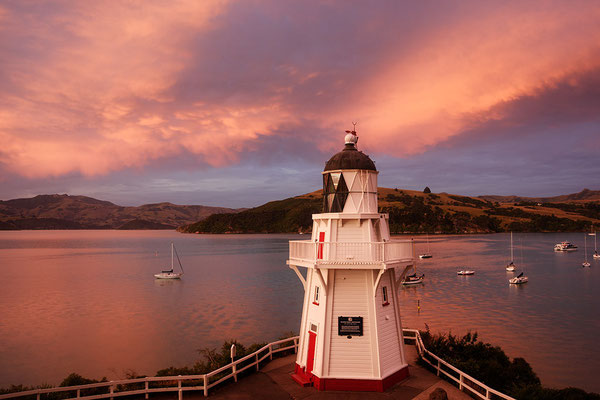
x=98 y=87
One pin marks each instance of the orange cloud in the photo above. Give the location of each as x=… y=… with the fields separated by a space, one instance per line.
x=98 y=87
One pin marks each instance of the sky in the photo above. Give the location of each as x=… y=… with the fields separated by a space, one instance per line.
x=236 y=103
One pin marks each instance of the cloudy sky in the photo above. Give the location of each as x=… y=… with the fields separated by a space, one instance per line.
x=238 y=103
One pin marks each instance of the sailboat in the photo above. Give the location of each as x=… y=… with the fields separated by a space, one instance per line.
x=596 y=255
x=170 y=274
x=586 y=262
x=428 y=254
x=413 y=279
x=511 y=265
x=518 y=279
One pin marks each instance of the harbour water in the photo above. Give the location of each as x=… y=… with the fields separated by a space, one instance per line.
x=86 y=301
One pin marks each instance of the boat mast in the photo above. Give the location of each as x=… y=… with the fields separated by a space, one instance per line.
x=511 y=249
x=171 y=256
x=585 y=246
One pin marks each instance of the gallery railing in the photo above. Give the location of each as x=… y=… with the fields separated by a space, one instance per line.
x=351 y=252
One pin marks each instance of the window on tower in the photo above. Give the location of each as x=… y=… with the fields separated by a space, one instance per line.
x=385 y=301
x=316 y=298
x=335 y=192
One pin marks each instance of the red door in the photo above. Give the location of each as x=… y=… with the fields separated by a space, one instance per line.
x=320 y=249
x=310 y=357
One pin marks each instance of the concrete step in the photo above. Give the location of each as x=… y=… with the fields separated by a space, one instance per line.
x=302 y=380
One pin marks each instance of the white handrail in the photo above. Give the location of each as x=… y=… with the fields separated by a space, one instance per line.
x=351 y=252
x=463 y=378
x=175 y=379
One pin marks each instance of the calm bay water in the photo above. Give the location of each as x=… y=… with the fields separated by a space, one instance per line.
x=86 y=301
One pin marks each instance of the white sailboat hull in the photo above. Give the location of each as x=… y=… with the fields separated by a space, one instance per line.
x=165 y=275
x=518 y=280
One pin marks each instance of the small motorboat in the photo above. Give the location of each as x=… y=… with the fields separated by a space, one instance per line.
x=565 y=246
x=170 y=274
x=520 y=279
x=465 y=272
x=413 y=279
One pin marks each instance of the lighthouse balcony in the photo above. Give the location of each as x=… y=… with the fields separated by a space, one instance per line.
x=307 y=253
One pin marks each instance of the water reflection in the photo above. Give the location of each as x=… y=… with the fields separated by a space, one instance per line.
x=550 y=321
x=88 y=302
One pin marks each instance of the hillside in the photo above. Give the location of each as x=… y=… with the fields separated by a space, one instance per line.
x=583 y=196
x=416 y=212
x=80 y=212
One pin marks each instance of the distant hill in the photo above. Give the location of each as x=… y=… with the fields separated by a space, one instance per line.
x=584 y=195
x=289 y=215
x=417 y=212
x=61 y=211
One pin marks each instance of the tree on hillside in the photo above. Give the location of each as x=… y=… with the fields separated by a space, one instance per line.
x=426 y=190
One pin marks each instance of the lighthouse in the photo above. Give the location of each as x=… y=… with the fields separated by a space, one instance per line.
x=351 y=331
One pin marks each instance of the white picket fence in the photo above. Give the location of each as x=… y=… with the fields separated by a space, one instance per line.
x=465 y=382
x=203 y=382
x=171 y=383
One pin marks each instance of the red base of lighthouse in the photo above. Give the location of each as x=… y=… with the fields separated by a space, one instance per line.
x=355 y=385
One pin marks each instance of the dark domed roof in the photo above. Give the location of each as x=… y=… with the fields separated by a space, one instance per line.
x=350 y=158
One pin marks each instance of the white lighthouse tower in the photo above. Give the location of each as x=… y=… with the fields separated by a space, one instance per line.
x=350 y=333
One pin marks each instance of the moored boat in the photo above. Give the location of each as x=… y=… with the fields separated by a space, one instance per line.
x=565 y=246
x=518 y=280
x=510 y=267
x=465 y=272
x=413 y=279
x=171 y=274
x=585 y=263
x=428 y=254
x=596 y=256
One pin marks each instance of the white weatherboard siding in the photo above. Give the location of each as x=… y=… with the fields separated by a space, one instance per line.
x=350 y=231
x=389 y=341
x=350 y=357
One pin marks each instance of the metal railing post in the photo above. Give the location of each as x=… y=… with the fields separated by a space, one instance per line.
x=295 y=346
x=234 y=370
x=205 y=386
x=487 y=393
x=146 y=386
x=38 y=396
x=180 y=395
x=460 y=384
x=270 y=352
x=112 y=390
x=438 y=368
x=78 y=393
x=256 y=356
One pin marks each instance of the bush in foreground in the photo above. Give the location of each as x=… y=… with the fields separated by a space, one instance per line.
x=490 y=365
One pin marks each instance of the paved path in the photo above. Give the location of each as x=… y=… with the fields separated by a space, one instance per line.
x=274 y=382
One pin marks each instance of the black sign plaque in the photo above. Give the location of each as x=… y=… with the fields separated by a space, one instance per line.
x=350 y=326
